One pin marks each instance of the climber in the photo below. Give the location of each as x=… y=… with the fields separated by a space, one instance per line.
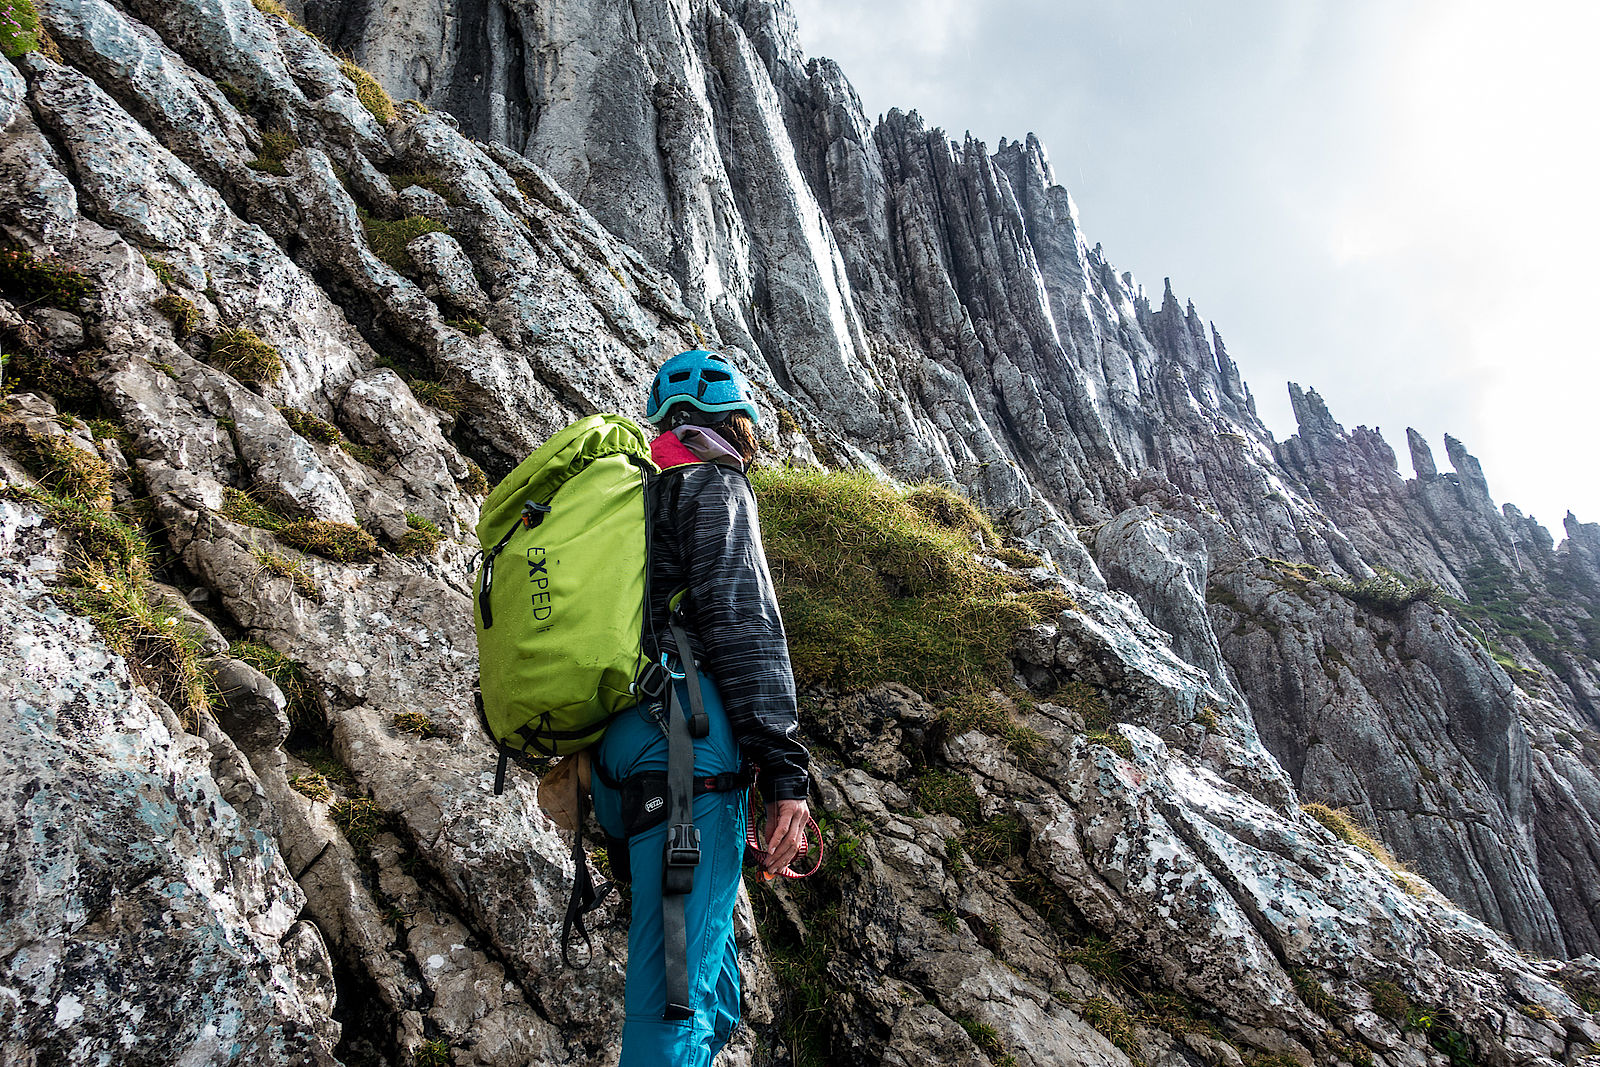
x=705 y=544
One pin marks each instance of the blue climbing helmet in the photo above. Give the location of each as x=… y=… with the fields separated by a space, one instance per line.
x=707 y=380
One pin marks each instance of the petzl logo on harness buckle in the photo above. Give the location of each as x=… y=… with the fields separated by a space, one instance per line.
x=683 y=856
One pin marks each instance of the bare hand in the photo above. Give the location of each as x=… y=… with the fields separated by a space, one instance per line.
x=784 y=833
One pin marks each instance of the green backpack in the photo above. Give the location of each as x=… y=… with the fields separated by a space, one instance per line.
x=560 y=598
x=561 y=609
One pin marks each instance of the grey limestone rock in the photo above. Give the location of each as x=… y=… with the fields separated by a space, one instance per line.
x=144 y=917
x=253 y=710
x=654 y=177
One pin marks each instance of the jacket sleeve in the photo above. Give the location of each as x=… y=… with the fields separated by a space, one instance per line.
x=735 y=614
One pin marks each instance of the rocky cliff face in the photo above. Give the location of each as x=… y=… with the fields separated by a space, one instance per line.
x=286 y=325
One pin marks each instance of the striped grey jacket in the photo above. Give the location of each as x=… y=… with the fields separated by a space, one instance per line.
x=706 y=538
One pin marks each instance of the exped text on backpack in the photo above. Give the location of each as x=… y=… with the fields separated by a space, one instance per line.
x=560 y=599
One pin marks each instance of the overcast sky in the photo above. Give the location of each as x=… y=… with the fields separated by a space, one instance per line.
x=1395 y=202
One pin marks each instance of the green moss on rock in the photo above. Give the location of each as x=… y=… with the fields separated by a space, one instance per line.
x=421 y=538
x=388 y=237
x=246 y=357
x=183 y=313
x=276 y=146
x=338 y=541
x=369 y=92
x=879 y=584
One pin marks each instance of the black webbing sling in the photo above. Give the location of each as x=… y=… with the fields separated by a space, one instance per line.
x=683 y=840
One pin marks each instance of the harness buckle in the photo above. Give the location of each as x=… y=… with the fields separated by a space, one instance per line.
x=651 y=683
x=683 y=856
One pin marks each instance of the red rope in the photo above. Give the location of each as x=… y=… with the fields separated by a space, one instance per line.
x=760 y=853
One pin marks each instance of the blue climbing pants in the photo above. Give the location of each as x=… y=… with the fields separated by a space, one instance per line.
x=635 y=742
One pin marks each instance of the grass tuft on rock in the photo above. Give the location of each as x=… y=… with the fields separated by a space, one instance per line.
x=312 y=428
x=61 y=466
x=309 y=426
x=1016 y=557
x=312 y=785
x=184 y=315
x=165 y=272
x=237 y=98
x=246 y=357
x=469 y=326
x=1114 y=741
x=106 y=580
x=98 y=534
x=388 y=237
x=62 y=375
x=1175 y=1015
x=277 y=10
x=1312 y=992
x=162 y=651
x=338 y=541
x=359 y=819
x=435 y=1052
x=996 y=840
x=1088 y=702
x=1100 y=958
x=415 y=723
x=431 y=182
x=300 y=578
x=986 y=1037
x=289 y=676
x=1389 y=1000
x=421 y=538
x=964 y=712
x=1115 y=1023
x=373 y=97
x=1385 y=592
x=244 y=508
x=881 y=585
x=1344 y=826
x=946 y=793
x=436 y=395
x=32 y=280
x=476 y=482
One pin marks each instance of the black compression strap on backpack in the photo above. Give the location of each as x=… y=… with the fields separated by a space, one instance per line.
x=682 y=856
x=532 y=515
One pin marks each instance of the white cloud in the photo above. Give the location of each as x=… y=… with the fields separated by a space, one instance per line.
x=1391 y=201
